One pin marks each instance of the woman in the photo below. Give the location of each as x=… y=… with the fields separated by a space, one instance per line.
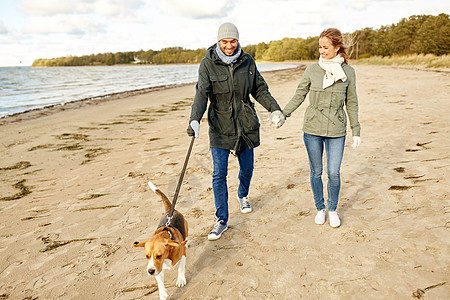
x=331 y=84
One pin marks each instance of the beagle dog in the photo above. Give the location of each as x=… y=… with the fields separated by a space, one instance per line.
x=167 y=247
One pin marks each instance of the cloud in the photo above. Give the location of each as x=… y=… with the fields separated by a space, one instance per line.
x=70 y=24
x=77 y=17
x=118 y=9
x=359 y=5
x=54 y=7
x=197 y=9
x=3 y=29
x=287 y=18
x=115 y=9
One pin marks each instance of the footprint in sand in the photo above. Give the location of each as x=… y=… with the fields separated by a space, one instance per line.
x=9 y=269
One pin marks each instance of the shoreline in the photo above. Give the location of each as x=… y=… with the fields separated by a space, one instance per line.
x=54 y=108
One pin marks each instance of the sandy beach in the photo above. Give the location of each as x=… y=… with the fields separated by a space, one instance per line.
x=74 y=197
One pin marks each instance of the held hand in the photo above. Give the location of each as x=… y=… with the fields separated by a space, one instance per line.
x=194 y=129
x=277 y=118
x=356 y=142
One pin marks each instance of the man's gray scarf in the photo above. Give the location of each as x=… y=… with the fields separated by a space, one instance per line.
x=229 y=60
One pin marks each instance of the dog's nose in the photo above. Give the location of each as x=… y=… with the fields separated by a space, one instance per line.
x=151 y=271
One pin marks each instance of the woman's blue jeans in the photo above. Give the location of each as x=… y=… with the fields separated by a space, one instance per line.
x=335 y=150
x=219 y=178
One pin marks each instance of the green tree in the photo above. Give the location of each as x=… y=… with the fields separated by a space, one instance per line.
x=433 y=37
x=260 y=50
x=251 y=49
x=110 y=59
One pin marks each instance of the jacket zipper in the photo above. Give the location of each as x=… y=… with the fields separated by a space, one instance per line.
x=238 y=122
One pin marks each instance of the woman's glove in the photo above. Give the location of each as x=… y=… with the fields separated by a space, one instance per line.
x=356 y=142
x=277 y=118
x=194 y=129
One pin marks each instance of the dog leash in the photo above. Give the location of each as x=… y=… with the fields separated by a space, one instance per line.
x=177 y=191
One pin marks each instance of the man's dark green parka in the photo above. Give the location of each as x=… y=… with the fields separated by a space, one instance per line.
x=231 y=113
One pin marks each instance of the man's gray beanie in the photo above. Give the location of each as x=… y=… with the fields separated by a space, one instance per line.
x=227 y=31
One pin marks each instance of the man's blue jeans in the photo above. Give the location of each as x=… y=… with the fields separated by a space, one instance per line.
x=219 y=178
x=335 y=150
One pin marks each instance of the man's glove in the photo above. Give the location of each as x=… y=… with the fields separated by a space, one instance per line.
x=277 y=118
x=194 y=129
x=356 y=142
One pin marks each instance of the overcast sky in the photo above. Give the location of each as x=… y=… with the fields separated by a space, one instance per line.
x=31 y=29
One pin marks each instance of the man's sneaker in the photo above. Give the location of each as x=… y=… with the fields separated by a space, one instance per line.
x=244 y=205
x=217 y=230
x=320 y=217
x=334 y=219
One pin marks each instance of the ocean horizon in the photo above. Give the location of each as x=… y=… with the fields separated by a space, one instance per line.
x=27 y=88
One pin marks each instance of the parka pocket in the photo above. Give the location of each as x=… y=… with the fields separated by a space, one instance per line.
x=341 y=116
x=311 y=114
x=221 y=121
x=219 y=84
x=251 y=121
x=338 y=99
x=313 y=119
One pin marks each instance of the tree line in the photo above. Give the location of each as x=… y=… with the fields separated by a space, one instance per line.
x=418 y=34
x=173 y=55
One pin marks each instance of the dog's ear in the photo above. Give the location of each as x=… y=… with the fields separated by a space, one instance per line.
x=137 y=244
x=172 y=243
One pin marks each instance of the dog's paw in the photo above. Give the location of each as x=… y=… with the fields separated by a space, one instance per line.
x=181 y=281
x=163 y=295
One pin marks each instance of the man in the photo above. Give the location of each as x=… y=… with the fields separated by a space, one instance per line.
x=227 y=77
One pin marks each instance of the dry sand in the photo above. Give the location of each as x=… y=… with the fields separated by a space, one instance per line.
x=73 y=199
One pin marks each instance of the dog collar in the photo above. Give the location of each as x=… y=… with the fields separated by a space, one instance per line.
x=170 y=232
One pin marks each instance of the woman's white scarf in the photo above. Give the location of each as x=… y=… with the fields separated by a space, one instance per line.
x=333 y=70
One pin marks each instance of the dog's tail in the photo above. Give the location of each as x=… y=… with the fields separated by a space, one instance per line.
x=164 y=198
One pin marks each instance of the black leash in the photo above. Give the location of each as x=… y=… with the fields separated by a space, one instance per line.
x=177 y=191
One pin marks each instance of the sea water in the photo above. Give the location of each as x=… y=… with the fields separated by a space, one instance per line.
x=25 y=88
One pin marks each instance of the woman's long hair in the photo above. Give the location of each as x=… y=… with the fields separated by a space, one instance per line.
x=337 y=40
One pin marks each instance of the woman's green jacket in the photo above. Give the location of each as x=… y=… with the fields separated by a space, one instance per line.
x=325 y=115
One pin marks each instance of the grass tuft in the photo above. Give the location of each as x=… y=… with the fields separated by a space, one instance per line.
x=425 y=60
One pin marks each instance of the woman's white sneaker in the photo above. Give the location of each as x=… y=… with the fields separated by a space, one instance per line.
x=334 y=219
x=320 y=217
